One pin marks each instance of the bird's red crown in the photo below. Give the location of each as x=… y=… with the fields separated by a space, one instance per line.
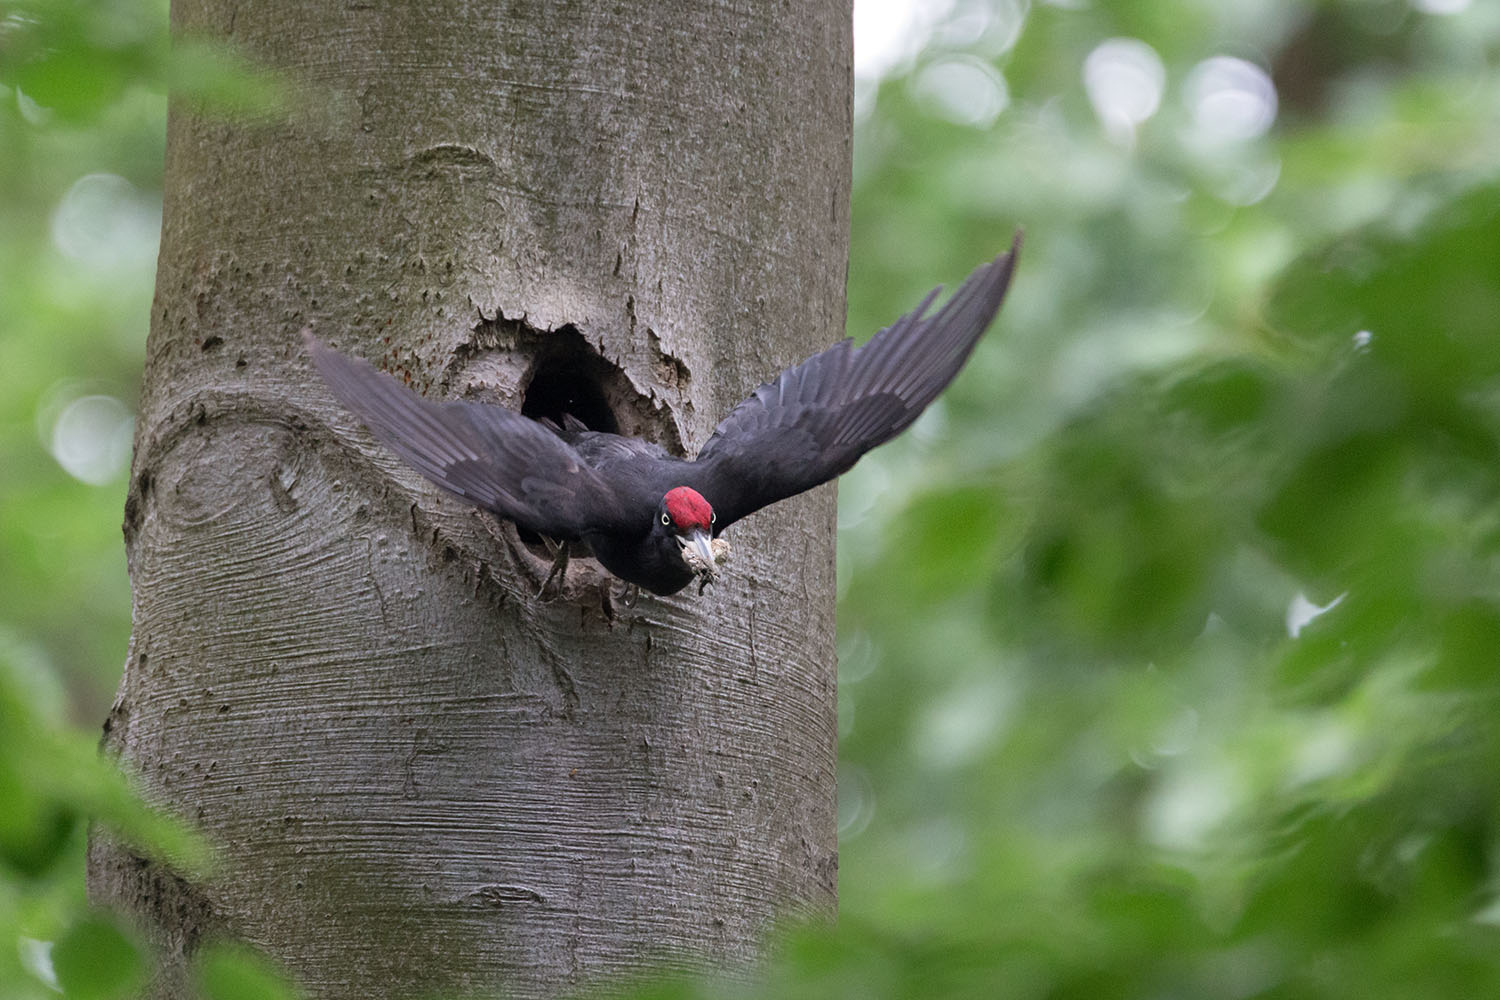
x=688 y=510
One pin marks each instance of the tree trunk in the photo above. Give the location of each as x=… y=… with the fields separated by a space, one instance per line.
x=422 y=777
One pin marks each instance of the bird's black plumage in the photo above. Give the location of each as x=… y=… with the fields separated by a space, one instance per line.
x=621 y=495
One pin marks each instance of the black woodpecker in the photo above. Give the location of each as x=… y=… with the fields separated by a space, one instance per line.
x=653 y=519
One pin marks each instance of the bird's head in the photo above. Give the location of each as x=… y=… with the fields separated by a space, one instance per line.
x=688 y=520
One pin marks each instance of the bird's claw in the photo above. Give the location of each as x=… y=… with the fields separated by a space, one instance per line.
x=559 y=570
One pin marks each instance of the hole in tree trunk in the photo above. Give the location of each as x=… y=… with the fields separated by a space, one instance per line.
x=567 y=380
x=566 y=388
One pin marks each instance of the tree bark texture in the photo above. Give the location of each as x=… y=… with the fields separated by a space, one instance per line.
x=423 y=778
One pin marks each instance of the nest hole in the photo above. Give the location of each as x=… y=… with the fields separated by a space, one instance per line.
x=568 y=381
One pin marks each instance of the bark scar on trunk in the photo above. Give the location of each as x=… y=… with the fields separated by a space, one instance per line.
x=500 y=896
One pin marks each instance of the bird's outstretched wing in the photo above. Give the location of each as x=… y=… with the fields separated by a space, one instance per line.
x=815 y=421
x=492 y=457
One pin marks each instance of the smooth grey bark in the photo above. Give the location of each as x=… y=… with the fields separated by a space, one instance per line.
x=422 y=778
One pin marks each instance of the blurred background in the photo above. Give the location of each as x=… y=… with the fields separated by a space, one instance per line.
x=1169 y=638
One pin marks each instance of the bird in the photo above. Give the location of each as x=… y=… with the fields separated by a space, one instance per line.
x=654 y=519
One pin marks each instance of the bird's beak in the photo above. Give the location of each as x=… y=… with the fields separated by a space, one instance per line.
x=698 y=553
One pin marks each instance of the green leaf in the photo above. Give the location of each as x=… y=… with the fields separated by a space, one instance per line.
x=77 y=84
x=34 y=832
x=96 y=961
x=236 y=972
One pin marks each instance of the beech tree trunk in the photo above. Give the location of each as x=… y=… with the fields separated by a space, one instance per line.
x=422 y=777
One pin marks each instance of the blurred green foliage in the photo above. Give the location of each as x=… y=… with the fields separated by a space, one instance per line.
x=1204 y=540
x=1169 y=639
x=226 y=971
x=82 y=126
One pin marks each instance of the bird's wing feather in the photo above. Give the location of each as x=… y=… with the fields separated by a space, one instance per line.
x=815 y=421
x=492 y=457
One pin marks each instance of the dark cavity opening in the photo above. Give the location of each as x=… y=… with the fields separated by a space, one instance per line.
x=567 y=380
x=566 y=384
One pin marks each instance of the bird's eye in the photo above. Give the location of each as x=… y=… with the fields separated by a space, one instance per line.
x=666 y=518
